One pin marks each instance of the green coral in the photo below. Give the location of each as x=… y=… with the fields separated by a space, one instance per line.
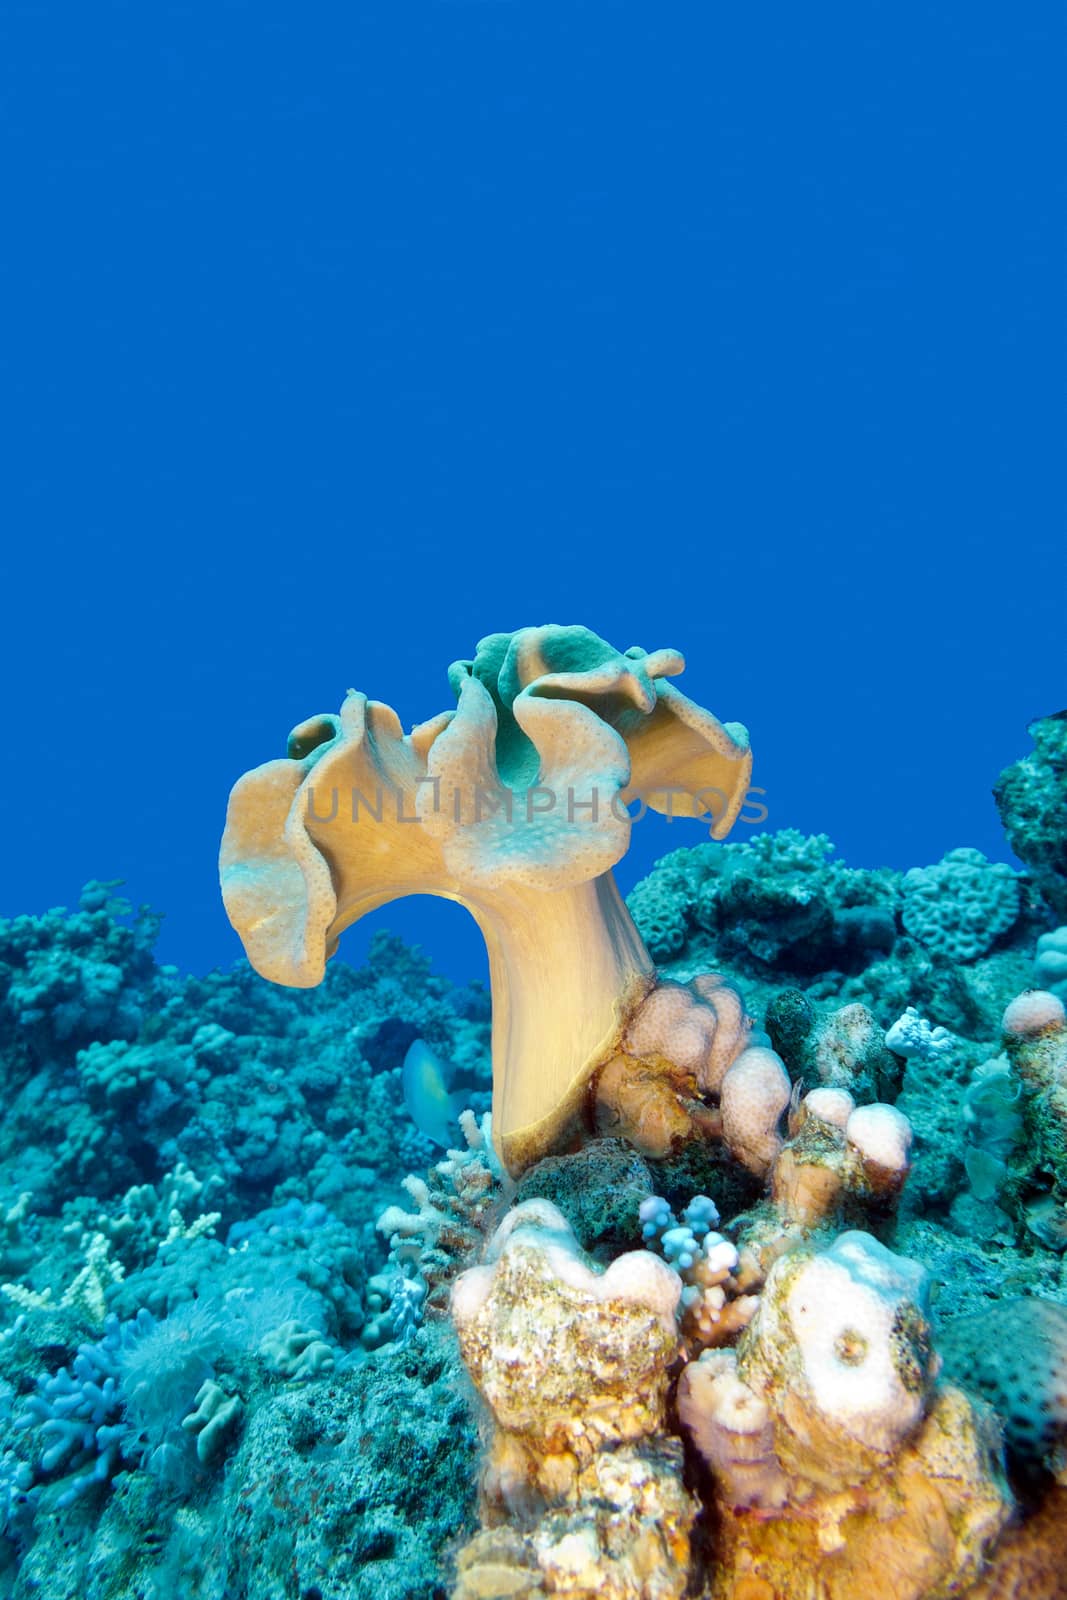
x=599 y=1190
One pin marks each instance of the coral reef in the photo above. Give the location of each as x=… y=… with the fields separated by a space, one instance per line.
x=873 y=937
x=190 y=1175
x=1031 y=797
x=757 y=1290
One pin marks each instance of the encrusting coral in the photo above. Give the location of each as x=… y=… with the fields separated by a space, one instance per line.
x=519 y=804
x=1015 y=1356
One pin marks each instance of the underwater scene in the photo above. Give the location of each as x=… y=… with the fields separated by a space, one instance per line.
x=717 y=1248
x=533 y=809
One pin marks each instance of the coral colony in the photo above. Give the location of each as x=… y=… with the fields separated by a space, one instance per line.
x=719 y=1251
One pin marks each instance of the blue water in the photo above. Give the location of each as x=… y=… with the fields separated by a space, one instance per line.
x=337 y=336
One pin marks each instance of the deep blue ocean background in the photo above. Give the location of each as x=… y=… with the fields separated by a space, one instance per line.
x=338 y=336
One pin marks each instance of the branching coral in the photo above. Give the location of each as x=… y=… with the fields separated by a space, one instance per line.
x=141 y=1393
x=912 y=1035
x=713 y=1312
x=516 y=806
x=85 y=1294
x=80 y=1415
x=427 y=1246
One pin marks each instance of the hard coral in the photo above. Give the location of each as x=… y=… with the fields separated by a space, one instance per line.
x=825 y=1420
x=67 y=979
x=1015 y=1356
x=680 y=1046
x=1035 y=1042
x=778 y=900
x=755 y=1093
x=961 y=906
x=1050 y=963
x=573 y=1363
x=454 y=1207
x=713 y=1312
x=840 y=1159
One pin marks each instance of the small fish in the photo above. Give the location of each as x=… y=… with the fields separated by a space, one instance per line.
x=426 y=1080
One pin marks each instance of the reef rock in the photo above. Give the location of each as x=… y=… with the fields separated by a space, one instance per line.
x=834 y=1456
x=573 y=1363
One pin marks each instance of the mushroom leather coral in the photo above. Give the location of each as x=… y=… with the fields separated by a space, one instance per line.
x=515 y=805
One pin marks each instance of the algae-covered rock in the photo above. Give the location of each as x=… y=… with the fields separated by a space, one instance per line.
x=574 y=1365
x=567 y=1357
x=1035 y=1042
x=598 y=1189
x=1031 y=1558
x=841 y=1049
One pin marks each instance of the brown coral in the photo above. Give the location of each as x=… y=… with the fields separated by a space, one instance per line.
x=1030 y=1562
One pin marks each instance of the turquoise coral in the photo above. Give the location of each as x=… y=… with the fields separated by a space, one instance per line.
x=960 y=907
